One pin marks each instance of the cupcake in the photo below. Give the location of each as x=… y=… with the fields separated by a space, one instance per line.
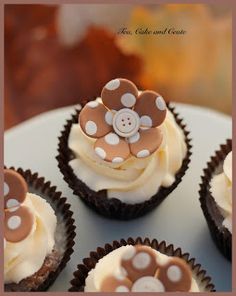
x=124 y=152
x=216 y=198
x=38 y=232
x=140 y=266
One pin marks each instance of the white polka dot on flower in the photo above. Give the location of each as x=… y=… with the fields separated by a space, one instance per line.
x=100 y=152
x=160 y=103
x=109 y=117
x=143 y=153
x=146 y=121
x=119 y=276
x=117 y=159
x=141 y=260
x=14 y=222
x=122 y=289
x=128 y=100
x=134 y=138
x=123 y=271
x=129 y=253
x=112 y=139
x=12 y=203
x=6 y=189
x=113 y=84
x=148 y=284
x=91 y=128
x=174 y=273
x=92 y=104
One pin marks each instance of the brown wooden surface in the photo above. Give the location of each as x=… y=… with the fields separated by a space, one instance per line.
x=41 y=74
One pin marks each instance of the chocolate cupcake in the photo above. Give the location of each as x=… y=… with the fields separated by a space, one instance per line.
x=137 y=265
x=216 y=198
x=123 y=153
x=38 y=232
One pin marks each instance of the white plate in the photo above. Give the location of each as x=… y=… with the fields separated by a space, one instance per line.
x=178 y=220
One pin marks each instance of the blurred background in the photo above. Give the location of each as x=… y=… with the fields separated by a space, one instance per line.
x=61 y=55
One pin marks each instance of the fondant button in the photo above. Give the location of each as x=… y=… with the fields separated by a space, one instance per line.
x=126 y=122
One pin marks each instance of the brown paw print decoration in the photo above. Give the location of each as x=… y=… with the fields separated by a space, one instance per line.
x=143 y=271
x=18 y=218
x=125 y=123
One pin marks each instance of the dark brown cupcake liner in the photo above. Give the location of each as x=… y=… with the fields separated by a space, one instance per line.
x=220 y=234
x=112 y=207
x=64 y=236
x=80 y=275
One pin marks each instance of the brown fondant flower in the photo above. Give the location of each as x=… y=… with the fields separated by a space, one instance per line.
x=19 y=219
x=125 y=122
x=141 y=270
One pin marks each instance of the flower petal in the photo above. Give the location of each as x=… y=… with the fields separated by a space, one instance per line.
x=112 y=148
x=95 y=120
x=18 y=223
x=151 y=108
x=116 y=283
x=175 y=275
x=145 y=142
x=15 y=189
x=119 y=93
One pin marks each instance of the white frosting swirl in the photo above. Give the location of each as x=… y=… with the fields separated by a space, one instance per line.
x=221 y=190
x=26 y=257
x=110 y=264
x=135 y=180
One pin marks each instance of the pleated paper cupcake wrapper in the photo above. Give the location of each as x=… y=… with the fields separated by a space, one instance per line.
x=80 y=275
x=112 y=207
x=64 y=235
x=221 y=235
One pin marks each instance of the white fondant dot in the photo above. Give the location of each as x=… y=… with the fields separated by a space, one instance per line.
x=129 y=253
x=162 y=260
x=100 y=152
x=134 y=138
x=174 y=273
x=160 y=103
x=14 y=222
x=6 y=189
x=128 y=100
x=122 y=289
x=109 y=117
x=91 y=127
x=141 y=260
x=12 y=203
x=146 y=121
x=148 y=284
x=143 y=153
x=92 y=104
x=119 y=276
x=113 y=84
x=112 y=139
x=124 y=272
x=117 y=159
